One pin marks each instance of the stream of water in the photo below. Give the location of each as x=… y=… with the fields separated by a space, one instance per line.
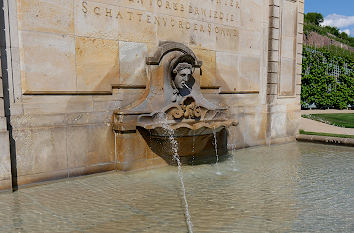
x=216 y=153
x=174 y=145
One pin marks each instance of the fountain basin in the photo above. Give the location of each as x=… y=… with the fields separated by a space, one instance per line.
x=193 y=146
x=173 y=106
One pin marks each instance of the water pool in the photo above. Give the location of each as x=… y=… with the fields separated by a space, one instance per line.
x=295 y=187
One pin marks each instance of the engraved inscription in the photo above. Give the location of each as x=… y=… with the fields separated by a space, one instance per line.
x=218 y=18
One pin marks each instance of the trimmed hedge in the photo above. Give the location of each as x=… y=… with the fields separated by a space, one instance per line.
x=327 y=78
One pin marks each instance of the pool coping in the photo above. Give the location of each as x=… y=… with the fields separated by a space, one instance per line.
x=325 y=140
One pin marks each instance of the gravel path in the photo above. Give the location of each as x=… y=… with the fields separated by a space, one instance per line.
x=316 y=126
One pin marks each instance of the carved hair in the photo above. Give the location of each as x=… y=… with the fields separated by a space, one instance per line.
x=182 y=66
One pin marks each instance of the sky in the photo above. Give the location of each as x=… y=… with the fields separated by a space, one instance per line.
x=338 y=13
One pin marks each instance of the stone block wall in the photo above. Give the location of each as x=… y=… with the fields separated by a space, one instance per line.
x=74 y=62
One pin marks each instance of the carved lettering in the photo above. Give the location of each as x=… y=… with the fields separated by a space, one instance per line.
x=97 y=10
x=201 y=28
x=109 y=12
x=130 y=14
x=188 y=26
x=157 y=20
x=139 y=16
x=164 y=21
x=119 y=15
x=148 y=19
x=195 y=19
x=84 y=7
x=180 y=24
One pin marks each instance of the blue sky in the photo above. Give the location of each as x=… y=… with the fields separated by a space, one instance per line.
x=338 y=13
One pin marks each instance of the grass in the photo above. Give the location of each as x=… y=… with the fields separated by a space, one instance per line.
x=326 y=134
x=345 y=120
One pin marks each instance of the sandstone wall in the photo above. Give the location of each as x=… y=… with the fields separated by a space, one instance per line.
x=74 y=62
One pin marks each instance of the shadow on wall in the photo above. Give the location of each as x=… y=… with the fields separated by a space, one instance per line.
x=5 y=83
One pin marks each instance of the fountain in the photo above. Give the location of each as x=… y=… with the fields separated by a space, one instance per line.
x=173 y=91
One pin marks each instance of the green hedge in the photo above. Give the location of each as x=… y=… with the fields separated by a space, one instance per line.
x=319 y=85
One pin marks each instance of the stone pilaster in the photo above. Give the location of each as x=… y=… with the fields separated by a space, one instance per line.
x=299 y=41
x=284 y=68
x=273 y=51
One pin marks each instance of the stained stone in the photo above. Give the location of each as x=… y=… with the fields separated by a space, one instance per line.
x=72 y=64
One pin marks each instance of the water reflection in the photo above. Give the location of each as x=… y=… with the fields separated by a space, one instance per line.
x=295 y=187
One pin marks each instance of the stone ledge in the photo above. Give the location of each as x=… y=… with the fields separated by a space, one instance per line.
x=325 y=140
x=35 y=179
x=21 y=122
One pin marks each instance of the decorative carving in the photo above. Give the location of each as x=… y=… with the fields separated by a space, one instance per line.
x=176 y=93
x=188 y=109
x=182 y=81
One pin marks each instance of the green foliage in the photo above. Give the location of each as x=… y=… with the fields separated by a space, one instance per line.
x=313 y=18
x=333 y=30
x=345 y=120
x=312 y=24
x=321 y=88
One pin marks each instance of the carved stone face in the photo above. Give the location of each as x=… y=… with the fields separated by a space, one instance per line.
x=182 y=77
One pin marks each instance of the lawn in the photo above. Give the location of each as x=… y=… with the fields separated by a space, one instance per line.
x=326 y=134
x=345 y=120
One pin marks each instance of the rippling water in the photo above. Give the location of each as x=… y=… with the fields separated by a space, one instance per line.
x=296 y=187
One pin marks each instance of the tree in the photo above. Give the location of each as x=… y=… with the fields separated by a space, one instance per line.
x=333 y=30
x=314 y=18
x=344 y=36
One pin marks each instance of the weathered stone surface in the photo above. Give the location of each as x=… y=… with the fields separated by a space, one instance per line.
x=40 y=150
x=55 y=16
x=238 y=73
x=57 y=104
x=89 y=145
x=288 y=49
x=1 y=91
x=287 y=77
x=227 y=70
x=97 y=65
x=91 y=23
x=208 y=77
x=2 y=110
x=132 y=63
x=5 y=167
x=249 y=73
x=41 y=56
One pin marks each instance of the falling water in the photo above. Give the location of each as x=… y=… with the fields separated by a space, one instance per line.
x=115 y=152
x=193 y=150
x=233 y=158
x=216 y=153
x=163 y=120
